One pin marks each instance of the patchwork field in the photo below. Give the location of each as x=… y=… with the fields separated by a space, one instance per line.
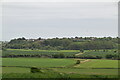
x=58 y=67
x=50 y=53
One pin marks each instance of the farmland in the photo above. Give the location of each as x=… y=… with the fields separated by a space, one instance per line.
x=99 y=53
x=38 y=52
x=29 y=62
x=60 y=58
x=100 y=64
x=16 y=67
x=59 y=39
x=50 y=53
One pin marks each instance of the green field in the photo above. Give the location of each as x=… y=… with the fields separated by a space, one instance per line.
x=50 y=62
x=96 y=63
x=59 y=67
x=38 y=62
x=89 y=71
x=15 y=70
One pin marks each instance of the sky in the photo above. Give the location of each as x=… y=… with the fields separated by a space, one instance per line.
x=59 y=19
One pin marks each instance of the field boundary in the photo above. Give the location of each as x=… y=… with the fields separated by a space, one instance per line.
x=58 y=67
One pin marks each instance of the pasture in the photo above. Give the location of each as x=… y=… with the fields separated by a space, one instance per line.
x=38 y=62
x=58 y=67
x=16 y=67
x=98 y=63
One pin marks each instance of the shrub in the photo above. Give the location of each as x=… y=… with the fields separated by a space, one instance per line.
x=109 y=56
x=60 y=55
x=34 y=70
x=78 y=62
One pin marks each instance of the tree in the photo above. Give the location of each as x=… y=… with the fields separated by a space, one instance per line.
x=55 y=56
x=74 y=46
x=109 y=56
x=39 y=38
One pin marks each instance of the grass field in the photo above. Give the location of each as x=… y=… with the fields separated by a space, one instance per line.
x=65 y=70
x=89 y=71
x=58 y=68
x=15 y=70
x=69 y=67
x=38 y=62
x=98 y=63
x=50 y=62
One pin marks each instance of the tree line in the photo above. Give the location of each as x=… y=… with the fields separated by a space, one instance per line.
x=62 y=55
x=77 y=43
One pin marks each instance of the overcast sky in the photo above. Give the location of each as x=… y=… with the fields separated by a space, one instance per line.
x=59 y=19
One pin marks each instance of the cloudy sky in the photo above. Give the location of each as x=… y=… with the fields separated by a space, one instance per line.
x=59 y=19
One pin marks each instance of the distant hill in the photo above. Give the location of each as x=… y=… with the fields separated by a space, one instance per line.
x=77 y=43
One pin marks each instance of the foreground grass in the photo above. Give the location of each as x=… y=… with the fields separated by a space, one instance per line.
x=54 y=75
x=47 y=74
x=61 y=68
x=65 y=70
x=15 y=70
x=89 y=71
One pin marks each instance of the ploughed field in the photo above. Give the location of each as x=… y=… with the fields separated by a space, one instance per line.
x=59 y=68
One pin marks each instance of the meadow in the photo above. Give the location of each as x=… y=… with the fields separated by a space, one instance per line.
x=38 y=62
x=20 y=67
x=61 y=68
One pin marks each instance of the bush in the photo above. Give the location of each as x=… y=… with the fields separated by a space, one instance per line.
x=78 y=62
x=109 y=56
x=34 y=70
x=81 y=50
x=60 y=55
x=98 y=57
